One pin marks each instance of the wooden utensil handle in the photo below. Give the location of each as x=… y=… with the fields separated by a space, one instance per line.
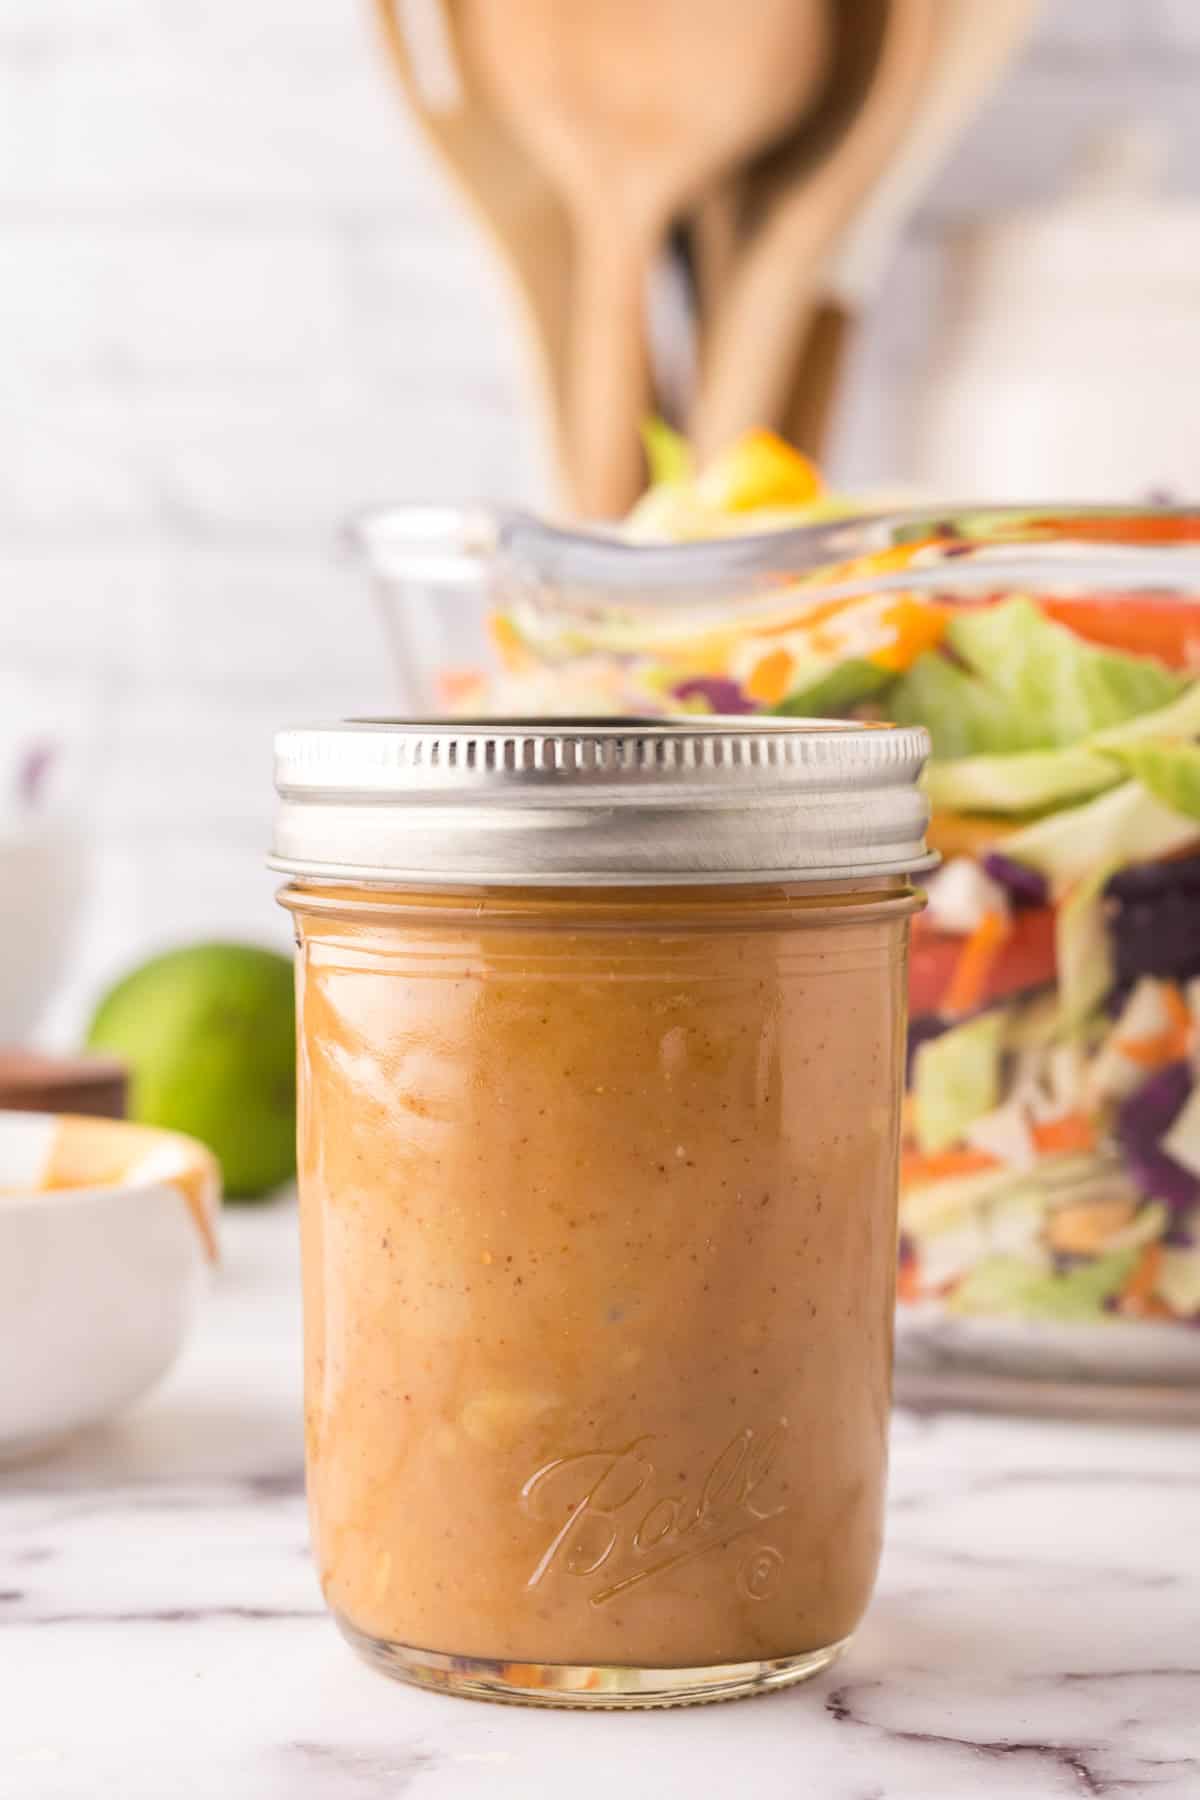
x=512 y=204
x=714 y=230
x=754 y=344
x=748 y=371
x=809 y=416
x=609 y=392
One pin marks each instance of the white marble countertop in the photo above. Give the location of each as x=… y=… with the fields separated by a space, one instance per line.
x=1036 y=1629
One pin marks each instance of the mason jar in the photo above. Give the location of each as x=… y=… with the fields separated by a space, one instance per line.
x=601 y=1055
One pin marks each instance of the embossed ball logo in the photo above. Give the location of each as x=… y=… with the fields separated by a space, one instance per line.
x=619 y=1522
x=759 y=1573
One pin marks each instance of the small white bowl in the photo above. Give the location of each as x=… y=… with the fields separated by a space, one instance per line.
x=107 y=1233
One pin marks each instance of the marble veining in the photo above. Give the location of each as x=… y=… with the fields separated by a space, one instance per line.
x=1085 y=1763
x=1036 y=1631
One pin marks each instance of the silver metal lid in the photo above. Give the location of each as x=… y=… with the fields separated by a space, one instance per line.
x=598 y=802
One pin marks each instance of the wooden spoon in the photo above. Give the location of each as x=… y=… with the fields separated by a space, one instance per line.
x=632 y=107
x=750 y=362
x=976 y=39
x=509 y=195
x=715 y=227
x=727 y=215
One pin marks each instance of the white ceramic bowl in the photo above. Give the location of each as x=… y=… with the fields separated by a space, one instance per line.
x=107 y=1232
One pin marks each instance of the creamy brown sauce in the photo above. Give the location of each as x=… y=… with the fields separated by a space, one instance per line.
x=87 y=1153
x=598 y=1210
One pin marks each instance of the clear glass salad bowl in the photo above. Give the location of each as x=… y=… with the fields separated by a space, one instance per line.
x=1050 y=1204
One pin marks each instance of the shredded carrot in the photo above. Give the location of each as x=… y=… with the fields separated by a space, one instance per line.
x=908 y=1281
x=917 y=1170
x=968 y=984
x=882 y=562
x=918 y=624
x=769 y=679
x=809 y=614
x=457 y=685
x=825 y=642
x=1073 y=1132
x=1137 y=1292
x=509 y=645
x=1166 y=1046
x=1154 y=1052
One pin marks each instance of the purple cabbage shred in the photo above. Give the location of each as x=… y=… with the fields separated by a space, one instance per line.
x=723 y=695
x=1142 y=1123
x=921 y=1031
x=1154 y=921
x=1025 y=886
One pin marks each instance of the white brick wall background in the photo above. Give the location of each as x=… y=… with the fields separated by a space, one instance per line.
x=236 y=301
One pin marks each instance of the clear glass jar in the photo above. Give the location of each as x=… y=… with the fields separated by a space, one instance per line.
x=1051 y=1187
x=598 y=1209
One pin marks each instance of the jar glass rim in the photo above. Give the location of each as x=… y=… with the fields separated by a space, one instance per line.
x=1107 y=546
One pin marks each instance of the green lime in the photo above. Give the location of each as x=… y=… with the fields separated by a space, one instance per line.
x=209 y=1035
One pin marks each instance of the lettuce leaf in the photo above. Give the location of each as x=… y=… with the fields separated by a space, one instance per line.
x=1010 y=1284
x=1083 y=950
x=1011 y=1226
x=1126 y=825
x=1178 y=721
x=1171 y=772
x=949 y=1204
x=1078 y=850
x=956 y=1079
x=833 y=688
x=1152 y=746
x=1014 y=680
x=962 y=715
x=1027 y=782
x=668 y=454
